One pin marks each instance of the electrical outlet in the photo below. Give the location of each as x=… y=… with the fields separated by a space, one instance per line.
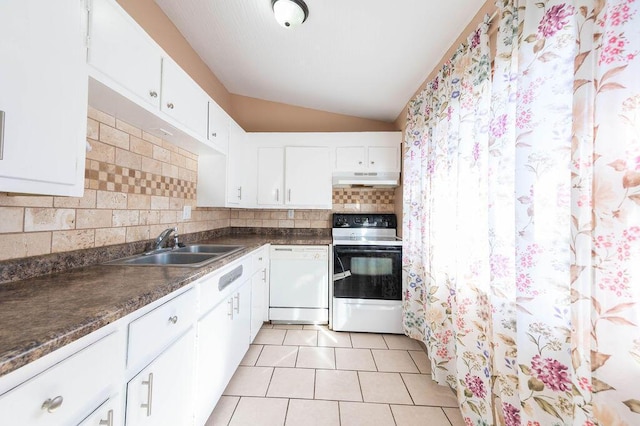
x=290 y=214
x=186 y=212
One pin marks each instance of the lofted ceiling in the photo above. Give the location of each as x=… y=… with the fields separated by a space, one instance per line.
x=363 y=58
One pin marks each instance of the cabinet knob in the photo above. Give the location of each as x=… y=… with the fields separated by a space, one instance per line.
x=170 y=105
x=173 y=319
x=214 y=135
x=52 y=405
x=360 y=162
x=153 y=93
x=373 y=162
x=109 y=421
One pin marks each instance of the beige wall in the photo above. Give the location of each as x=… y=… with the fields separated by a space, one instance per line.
x=254 y=115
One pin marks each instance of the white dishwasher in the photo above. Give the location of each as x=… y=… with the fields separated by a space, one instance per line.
x=299 y=284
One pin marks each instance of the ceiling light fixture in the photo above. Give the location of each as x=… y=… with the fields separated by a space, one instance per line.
x=290 y=13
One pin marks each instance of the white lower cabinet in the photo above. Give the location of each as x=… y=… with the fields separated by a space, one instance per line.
x=144 y=368
x=68 y=391
x=259 y=291
x=161 y=394
x=110 y=413
x=223 y=340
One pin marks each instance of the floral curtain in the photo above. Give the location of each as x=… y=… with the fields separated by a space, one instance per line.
x=522 y=217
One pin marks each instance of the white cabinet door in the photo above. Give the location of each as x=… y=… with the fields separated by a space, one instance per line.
x=121 y=50
x=258 y=307
x=229 y=180
x=384 y=159
x=223 y=340
x=183 y=99
x=43 y=101
x=308 y=177
x=270 y=176
x=351 y=158
x=214 y=368
x=107 y=414
x=218 y=127
x=241 y=173
x=161 y=394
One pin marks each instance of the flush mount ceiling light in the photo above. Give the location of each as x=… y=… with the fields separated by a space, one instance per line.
x=290 y=13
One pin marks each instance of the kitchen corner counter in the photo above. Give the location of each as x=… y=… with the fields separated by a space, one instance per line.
x=39 y=315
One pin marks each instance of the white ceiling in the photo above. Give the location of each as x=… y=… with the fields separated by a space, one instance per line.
x=363 y=58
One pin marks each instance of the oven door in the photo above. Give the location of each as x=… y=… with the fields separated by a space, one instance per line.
x=367 y=272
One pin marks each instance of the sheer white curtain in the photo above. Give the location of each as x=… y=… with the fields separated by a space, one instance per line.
x=522 y=217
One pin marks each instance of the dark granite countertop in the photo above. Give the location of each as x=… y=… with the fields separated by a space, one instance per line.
x=39 y=315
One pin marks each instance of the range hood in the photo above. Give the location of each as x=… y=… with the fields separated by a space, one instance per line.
x=373 y=180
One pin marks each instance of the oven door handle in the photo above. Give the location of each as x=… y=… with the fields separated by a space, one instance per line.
x=359 y=250
x=341 y=275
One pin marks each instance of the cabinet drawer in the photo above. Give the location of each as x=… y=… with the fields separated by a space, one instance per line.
x=70 y=390
x=152 y=332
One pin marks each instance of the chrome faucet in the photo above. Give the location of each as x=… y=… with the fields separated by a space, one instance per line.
x=164 y=236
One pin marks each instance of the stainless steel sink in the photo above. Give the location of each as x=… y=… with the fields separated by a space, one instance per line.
x=210 y=248
x=192 y=256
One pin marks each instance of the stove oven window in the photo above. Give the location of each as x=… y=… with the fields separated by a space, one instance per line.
x=368 y=272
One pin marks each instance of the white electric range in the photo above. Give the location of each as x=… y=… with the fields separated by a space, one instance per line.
x=367 y=268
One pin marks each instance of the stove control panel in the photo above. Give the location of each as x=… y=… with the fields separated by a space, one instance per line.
x=364 y=220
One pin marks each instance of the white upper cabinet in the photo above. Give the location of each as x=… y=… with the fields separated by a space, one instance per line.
x=183 y=99
x=218 y=128
x=241 y=173
x=43 y=101
x=133 y=79
x=308 y=177
x=270 y=176
x=294 y=176
x=228 y=180
x=368 y=158
x=383 y=158
x=124 y=52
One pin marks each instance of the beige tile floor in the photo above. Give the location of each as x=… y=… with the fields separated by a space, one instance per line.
x=308 y=375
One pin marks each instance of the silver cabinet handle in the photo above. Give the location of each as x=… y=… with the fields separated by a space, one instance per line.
x=153 y=93
x=173 y=319
x=289 y=195
x=230 y=313
x=148 y=383
x=109 y=421
x=170 y=105
x=264 y=275
x=237 y=297
x=277 y=194
x=239 y=193
x=52 y=405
